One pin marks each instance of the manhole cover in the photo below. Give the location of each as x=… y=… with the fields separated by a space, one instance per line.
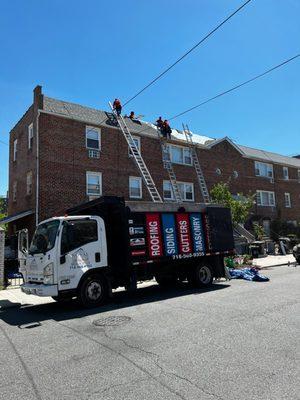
x=112 y=321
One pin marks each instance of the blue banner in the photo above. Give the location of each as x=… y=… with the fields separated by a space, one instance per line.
x=198 y=233
x=169 y=231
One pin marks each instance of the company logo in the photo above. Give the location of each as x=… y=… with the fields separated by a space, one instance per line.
x=137 y=242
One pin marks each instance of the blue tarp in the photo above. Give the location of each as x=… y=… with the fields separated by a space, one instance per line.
x=249 y=274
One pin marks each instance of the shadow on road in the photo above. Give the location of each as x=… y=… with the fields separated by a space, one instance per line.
x=33 y=316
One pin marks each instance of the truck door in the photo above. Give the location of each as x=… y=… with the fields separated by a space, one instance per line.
x=22 y=249
x=82 y=248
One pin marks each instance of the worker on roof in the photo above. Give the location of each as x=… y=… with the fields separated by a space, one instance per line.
x=131 y=115
x=159 y=123
x=117 y=106
x=166 y=129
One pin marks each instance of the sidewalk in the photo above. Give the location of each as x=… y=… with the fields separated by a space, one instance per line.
x=272 y=261
x=16 y=298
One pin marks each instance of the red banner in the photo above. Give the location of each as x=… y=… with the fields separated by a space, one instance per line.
x=183 y=229
x=154 y=235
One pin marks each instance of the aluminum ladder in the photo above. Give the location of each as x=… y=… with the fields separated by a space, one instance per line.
x=200 y=176
x=147 y=178
x=169 y=167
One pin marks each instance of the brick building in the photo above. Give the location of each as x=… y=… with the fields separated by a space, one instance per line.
x=62 y=154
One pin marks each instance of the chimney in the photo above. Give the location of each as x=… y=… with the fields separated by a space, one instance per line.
x=38 y=98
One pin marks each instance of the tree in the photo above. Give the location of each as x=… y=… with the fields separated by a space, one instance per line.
x=240 y=206
x=3 y=211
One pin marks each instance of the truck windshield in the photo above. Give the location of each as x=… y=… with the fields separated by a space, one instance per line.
x=44 y=237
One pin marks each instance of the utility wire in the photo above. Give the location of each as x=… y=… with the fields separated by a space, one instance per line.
x=235 y=87
x=1 y=141
x=187 y=53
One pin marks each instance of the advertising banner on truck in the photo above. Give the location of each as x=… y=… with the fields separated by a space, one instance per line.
x=169 y=232
x=154 y=235
x=184 y=234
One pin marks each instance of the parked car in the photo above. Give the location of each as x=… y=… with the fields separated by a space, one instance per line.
x=296 y=252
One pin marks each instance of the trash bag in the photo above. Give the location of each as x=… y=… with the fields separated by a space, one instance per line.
x=248 y=274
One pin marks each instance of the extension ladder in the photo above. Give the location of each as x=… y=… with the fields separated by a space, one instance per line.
x=200 y=176
x=169 y=167
x=147 y=178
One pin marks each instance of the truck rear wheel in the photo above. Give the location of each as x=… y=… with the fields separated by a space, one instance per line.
x=93 y=291
x=201 y=275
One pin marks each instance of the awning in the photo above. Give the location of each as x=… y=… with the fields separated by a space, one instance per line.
x=14 y=217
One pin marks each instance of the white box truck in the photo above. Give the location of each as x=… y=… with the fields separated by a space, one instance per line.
x=104 y=244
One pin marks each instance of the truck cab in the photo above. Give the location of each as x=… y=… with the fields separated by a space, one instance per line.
x=62 y=251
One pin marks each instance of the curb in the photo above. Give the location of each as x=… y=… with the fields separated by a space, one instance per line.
x=289 y=264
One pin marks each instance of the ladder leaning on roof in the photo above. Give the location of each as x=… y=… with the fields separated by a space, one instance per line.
x=147 y=178
x=200 y=176
x=169 y=167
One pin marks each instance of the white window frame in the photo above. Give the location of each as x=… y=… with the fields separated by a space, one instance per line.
x=138 y=139
x=15 y=149
x=285 y=172
x=92 y=173
x=183 y=149
x=287 y=200
x=14 y=191
x=271 y=196
x=29 y=183
x=183 y=193
x=30 y=136
x=98 y=130
x=258 y=169
x=139 y=179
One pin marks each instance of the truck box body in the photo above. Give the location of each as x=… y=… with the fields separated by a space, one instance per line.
x=159 y=237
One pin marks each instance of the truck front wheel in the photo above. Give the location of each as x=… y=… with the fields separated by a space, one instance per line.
x=93 y=291
x=201 y=275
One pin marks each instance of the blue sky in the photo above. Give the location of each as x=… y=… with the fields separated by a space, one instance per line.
x=91 y=51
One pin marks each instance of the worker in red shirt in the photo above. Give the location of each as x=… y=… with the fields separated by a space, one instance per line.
x=117 y=106
x=166 y=129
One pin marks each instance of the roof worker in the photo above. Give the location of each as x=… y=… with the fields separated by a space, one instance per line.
x=159 y=123
x=131 y=115
x=117 y=106
x=166 y=129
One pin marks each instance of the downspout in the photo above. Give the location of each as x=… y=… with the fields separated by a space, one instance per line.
x=37 y=171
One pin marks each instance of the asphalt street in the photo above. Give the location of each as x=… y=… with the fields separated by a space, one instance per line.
x=238 y=340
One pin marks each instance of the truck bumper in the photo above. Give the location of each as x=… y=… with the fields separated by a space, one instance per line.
x=39 y=290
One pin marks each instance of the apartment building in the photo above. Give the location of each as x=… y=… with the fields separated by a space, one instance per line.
x=63 y=154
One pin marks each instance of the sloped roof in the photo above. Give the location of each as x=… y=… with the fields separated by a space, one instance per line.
x=98 y=117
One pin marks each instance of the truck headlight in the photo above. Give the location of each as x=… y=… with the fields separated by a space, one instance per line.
x=48 y=274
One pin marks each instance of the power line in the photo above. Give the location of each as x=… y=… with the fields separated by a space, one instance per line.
x=187 y=53
x=1 y=141
x=236 y=87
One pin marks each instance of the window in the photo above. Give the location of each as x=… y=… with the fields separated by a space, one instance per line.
x=287 y=200
x=77 y=233
x=14 y=191
x=135 y=187
x=29 y=183
x=44 y=237
x=186 y=191
x=264 y=198
x=93 y=183
x=180 y=155
x=285 y=172
x=137 y=141
x=263 y=169
x=15 y=149
x=299 y=175
x=92 y=138
x=30 y=136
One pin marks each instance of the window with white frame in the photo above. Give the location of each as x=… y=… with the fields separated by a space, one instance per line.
x=14 y=191
x=263 y=169
x=15 y=149
x=186 y=191
x=135 y=187
x=29 y=183
x=265 y=198
x=180 y=155
x=287 y=200
x=285 y=172
x=30 y=136
x=92 y=135
x=93 y=183
x=137 y=141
